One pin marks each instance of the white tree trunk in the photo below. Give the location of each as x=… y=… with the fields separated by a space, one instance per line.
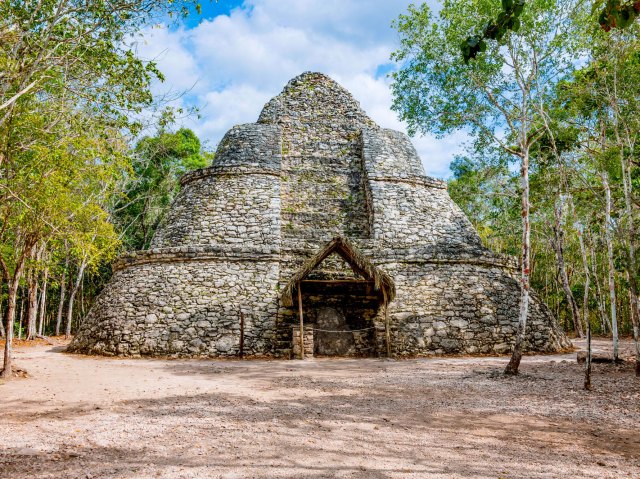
x=635 y=317
x=32 y=305
x=564 y=278
x=604 y=319
x=585 y=309
x=612 y=279
x=587 y=278
x=72 y=296
x=21 y=315
x=43 y=302
x=63 y=290
x=525 y=269
x=631 y=257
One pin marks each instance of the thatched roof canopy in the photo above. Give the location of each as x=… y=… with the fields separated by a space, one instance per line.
x=358 y=262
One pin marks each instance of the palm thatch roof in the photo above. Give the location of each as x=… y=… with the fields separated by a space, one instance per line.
x=358 y=262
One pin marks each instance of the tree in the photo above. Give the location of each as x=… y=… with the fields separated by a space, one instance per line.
x=494 y=29
x=617 y=14
x=92 y=241
x=77 y=49
x=604 y=99
x=614 y=14
x=498 y=96
x=49 y=187
x=69 y=85
x=587 y=156
x=158 y=162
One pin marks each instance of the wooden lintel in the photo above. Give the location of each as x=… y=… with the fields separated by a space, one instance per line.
x=336 y=281
x=387 y=326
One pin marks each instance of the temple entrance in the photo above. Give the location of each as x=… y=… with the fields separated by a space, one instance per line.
x=342 y=315
x=340 y=304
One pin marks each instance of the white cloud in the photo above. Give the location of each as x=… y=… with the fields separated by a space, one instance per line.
x=169 y=50
x=233 y=64
x=231 y=106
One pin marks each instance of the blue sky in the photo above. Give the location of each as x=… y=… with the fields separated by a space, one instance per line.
x=240 y=53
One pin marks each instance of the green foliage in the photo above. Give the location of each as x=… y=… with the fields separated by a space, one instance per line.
x=592 y=127
x=494 y=29
x=71 y=90
x=497 y=96
x=616 y=14
x=158 y=162
x=486 y=191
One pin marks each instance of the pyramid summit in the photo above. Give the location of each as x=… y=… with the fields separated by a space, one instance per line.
x=313 y=231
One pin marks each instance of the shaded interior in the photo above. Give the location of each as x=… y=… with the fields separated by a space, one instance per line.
x=341 y=313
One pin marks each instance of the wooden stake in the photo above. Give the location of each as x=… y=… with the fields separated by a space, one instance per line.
x=301 y=321
x=241 y=352
x=386 y=324
x=587 y=366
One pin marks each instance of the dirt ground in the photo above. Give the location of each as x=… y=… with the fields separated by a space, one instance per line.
x=88 y=417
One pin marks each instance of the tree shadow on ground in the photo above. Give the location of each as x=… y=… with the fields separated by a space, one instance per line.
x=346 y=418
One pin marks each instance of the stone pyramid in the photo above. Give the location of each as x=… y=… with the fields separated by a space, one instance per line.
x=314 y=168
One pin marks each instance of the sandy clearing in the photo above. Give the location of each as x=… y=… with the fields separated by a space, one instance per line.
x=79 y=417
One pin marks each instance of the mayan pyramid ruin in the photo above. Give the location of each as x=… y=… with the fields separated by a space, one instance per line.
x=314 y=232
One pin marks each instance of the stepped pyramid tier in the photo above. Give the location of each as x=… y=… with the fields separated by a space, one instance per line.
x=317 y=210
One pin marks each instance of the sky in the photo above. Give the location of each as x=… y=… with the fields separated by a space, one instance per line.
x=240 y=53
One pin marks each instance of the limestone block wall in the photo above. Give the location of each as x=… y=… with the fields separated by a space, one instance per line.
x=314 y=99
x=409 y=208
x=323 y=193
x=185 y=307
x=235 y=201
x=464 y=308
x=390 y=154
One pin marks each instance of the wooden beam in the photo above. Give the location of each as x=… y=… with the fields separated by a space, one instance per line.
x=337 y=281
x=387 y=331
x=301 y=321
x=241 y=352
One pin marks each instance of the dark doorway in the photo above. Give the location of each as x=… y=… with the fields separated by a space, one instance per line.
x=342 y=315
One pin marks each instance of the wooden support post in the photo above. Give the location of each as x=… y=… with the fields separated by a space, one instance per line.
x=301 y=321
x=387 y=332
x=241 y=352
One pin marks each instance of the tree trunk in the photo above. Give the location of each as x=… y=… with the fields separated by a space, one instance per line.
x=612 y=279
x=2 y=334
x=559 y=247
x=587 y=363
x=525 y=270
x=585 y=309
x=21 y=315
x=633 y=314
x=635 y=318
x=604 y=320
x=81 y=299
x=10 y=318
x=13 y=282
x=32 y=304
x=72 y=296
x=587 y=280
x=63 y=290
x=632 y=268
x=43 y=301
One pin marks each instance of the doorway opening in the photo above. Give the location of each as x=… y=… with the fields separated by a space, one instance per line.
x=341 y=300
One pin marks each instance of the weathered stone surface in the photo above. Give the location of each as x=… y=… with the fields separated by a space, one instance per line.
x=313 y=167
